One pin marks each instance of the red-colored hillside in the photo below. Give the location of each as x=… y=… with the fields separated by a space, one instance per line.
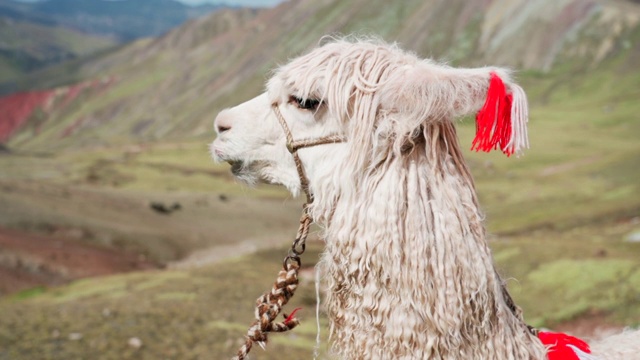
x=16 y=109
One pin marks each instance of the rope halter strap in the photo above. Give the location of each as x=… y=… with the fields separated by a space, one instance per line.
x=294 y=145
x=269 y=305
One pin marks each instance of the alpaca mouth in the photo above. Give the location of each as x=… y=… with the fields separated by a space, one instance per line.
x=236 y=167
x=244 y=172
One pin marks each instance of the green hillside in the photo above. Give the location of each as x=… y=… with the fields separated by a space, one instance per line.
x=122 y=20
x=34 y=36
x=25 y=47
x=172 y=86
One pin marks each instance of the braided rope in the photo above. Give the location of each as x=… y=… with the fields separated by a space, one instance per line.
x=269 y=305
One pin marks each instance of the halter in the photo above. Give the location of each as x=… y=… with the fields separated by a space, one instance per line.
x=269 y=305
x=294 y=145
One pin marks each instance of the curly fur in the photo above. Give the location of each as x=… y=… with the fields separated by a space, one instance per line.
x=408 y=270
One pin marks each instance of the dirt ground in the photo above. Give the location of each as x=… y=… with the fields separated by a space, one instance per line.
x=590 y=327
x=29 y=260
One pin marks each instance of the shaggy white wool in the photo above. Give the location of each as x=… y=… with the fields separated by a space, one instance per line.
x=408 y=270
x=410 y=275
x=625 y=345
x=316 y=348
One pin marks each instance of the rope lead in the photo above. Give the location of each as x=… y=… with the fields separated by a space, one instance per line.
x=269 y=305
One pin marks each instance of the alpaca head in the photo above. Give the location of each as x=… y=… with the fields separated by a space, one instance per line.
x=379 y=98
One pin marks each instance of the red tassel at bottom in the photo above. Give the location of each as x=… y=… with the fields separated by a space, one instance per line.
x=562 y=346
x=292 y=315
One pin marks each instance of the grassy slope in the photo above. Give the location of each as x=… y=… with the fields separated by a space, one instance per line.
x=562 y=211
x=105 y=193
x=28 y=46
x=193 y=314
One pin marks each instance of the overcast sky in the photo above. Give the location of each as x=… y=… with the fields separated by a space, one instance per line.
x=253 y=3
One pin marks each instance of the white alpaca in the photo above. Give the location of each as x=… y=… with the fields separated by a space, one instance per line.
x=409 y=271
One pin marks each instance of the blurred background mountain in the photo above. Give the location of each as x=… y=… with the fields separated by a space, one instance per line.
x=121 y=20
x=107 y=109
x=41 y=33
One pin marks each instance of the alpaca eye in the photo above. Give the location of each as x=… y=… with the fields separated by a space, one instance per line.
x=305 y=104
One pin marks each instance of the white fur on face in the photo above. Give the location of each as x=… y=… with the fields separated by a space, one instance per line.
x=255 y=142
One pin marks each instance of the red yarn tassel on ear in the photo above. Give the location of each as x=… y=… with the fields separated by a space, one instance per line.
x=501 y=123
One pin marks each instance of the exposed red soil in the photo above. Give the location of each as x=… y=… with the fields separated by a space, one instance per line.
x=29 y=260
x=18 y=108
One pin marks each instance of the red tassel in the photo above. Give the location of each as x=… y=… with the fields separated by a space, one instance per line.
x=558 y=344
x=494 y=128
x=292 y=315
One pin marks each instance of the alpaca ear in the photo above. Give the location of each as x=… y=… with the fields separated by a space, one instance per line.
x=431 y=92
x=501 y=121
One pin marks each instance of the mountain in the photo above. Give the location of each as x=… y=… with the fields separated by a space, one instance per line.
x=145 y=55
x=123 y=20
x=36 y=35
x=171 y=87
x=28 y=46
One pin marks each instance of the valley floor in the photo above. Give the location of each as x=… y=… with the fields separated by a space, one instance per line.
x=30 y=260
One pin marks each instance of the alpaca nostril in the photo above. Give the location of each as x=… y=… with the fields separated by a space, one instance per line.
x=223 y=121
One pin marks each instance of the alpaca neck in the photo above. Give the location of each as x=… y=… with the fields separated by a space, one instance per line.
x=409 y=272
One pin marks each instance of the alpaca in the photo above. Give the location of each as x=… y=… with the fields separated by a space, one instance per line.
x=408 y=271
